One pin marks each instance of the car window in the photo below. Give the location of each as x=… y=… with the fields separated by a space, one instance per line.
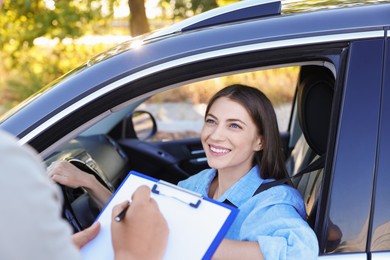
x=179 y=112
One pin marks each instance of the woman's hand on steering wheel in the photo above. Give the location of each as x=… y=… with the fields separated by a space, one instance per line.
x=65 y=173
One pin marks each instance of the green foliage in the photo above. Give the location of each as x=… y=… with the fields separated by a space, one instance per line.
x=38 y=66
x=21 y=22
x=26 y=66
x=181 y=9
x=199 y=6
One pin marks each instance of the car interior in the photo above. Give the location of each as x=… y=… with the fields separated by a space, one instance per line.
x=315 y=98
x=130 y=145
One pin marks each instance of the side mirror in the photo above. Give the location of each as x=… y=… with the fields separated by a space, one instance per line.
x=144 y=124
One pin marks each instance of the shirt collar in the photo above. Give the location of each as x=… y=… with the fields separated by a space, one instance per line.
x=244 y=188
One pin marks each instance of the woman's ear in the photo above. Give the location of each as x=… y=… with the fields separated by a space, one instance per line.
x=259 y=145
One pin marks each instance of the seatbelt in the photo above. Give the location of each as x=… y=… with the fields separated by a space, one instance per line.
x=313 y=166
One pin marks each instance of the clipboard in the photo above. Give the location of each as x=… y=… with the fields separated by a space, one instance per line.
x=196 y=224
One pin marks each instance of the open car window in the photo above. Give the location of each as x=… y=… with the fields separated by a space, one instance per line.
x=179 y=112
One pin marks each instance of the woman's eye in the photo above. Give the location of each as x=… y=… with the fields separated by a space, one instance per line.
x=235 y=126
x=210 y=121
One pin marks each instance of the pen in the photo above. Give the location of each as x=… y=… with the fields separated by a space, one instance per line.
x=122 y=214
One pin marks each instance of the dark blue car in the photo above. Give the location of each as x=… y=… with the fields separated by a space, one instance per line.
x=106 y=118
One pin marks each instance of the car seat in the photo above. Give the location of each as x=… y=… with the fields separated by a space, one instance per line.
x=301 y=155
x=315 y=96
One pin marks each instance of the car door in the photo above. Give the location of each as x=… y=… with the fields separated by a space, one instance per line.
x=346 y=199
x=379 y=236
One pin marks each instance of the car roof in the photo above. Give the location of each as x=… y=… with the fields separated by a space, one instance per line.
x=147 y=53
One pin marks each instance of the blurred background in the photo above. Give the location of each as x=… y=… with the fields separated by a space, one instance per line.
x=40 y=40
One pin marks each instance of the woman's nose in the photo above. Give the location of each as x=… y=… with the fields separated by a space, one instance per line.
x=218 y=133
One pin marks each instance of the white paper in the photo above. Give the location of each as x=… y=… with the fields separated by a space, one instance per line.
x=191 y=230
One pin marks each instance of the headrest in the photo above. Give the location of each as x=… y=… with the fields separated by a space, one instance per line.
x=315 y=96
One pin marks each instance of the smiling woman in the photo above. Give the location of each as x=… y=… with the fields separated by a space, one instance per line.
x=229 y=140
x=241 y=140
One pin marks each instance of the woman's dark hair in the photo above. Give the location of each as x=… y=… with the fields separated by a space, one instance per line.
x=270 y=159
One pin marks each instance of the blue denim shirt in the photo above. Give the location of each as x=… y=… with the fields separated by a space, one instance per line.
x=276 y=218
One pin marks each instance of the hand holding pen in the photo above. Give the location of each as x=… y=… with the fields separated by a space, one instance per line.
x=139 y=229
x=122 y=213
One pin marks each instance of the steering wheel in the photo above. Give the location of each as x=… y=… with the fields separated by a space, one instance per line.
x=79 y=209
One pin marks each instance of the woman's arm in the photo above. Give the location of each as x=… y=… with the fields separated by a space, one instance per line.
x=280 y=232
x=67 y=174
x=233 y=249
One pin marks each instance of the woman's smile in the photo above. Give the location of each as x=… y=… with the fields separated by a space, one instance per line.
x=218 y=151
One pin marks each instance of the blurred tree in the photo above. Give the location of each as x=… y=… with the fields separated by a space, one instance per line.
x=138 y=21
x=26 y=67
x=181 y=9
x=21 y=21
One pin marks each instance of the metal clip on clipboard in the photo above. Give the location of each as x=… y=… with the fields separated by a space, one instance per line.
x=192 y=204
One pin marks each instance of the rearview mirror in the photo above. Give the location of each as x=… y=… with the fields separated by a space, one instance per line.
x=144 y=124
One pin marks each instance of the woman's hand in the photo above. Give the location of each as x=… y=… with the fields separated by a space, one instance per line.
x=65 y=173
